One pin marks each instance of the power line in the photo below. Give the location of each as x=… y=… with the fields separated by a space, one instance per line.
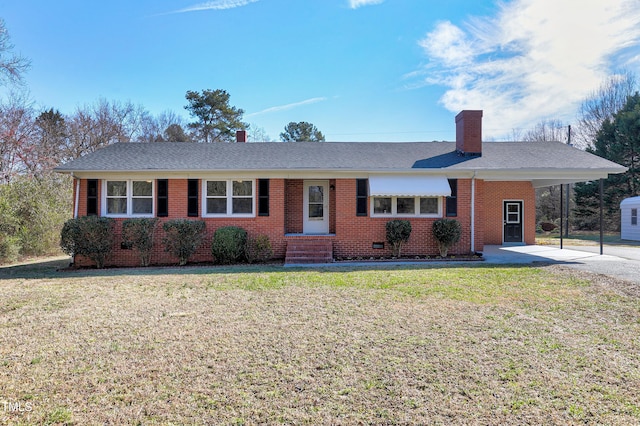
x=390 y=133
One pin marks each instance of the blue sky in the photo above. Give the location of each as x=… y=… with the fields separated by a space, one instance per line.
x=360 y=70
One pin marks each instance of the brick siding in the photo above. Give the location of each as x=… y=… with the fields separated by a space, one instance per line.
x=352 y=235
x=494 y=194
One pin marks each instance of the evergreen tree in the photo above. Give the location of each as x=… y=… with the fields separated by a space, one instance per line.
x=617 y=140
x=301 y=132
x=217 y=121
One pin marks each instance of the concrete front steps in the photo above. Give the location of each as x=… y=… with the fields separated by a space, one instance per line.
x=305 y=251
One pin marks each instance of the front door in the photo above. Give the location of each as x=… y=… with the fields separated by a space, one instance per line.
x=512 y=221
x=316 y=207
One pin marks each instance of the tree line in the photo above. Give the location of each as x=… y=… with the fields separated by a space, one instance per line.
x=32 y=143
x=607 y=125
x=34 y=202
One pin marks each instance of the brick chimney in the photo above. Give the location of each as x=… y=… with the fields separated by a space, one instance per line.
x=241 y=135
x=469 y=132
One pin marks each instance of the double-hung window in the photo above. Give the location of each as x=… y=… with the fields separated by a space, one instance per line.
x=407 y=206
x=229 y=197
x=128 y=198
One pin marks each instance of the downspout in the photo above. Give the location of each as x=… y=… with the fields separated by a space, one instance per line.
x=473 y=213
x=75 y=205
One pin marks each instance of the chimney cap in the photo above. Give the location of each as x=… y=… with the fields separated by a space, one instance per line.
x=477 y=113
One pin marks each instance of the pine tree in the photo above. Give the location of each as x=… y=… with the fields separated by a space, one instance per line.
x=617 y=140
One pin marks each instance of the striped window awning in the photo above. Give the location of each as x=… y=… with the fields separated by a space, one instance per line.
x=412 y=186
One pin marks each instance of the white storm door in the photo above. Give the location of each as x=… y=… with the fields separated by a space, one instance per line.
x=316 y=207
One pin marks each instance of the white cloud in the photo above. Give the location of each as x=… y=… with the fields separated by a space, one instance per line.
x=354 y=4
x=288 y=106
x=535 y=59
x=215 y=5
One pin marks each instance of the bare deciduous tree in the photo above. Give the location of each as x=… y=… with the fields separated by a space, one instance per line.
x=258 y=134
x=12 y=66
x=165 y=127
x=49 y=142
x=550 y=130
x=101 y=124
x=547 y=198
x=602 y=104
x=16 y=132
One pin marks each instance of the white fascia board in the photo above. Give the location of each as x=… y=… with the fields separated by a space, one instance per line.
x=550 y=175
x=542 y=175
x=273 y=174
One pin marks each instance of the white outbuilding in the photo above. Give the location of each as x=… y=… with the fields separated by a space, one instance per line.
x=630 y=227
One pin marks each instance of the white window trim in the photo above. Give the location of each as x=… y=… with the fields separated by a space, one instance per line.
x=394 y=207
x=129 y=198
x=229 y=197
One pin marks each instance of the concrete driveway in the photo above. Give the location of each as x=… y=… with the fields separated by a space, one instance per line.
x=618 y=261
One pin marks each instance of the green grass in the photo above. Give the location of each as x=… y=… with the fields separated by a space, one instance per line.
x=264 y=344
x=465 y=284
x=582 y=238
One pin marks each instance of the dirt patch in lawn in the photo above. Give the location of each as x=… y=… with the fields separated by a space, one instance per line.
x=465 y=345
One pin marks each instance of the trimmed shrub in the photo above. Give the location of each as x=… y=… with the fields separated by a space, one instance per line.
x=228 y=245
x=89 y=236
x=548 y=226
x=398 y=232
x=183 y=237
x=138 y=234
x=258 y=249
x=447 y=232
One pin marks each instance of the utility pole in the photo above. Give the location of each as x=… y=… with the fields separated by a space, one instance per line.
x=566 y=229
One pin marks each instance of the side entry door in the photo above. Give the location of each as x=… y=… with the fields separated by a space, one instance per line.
x=512 y=219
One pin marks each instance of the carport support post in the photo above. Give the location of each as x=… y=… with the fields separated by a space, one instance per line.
x=561 y=215
x=601 y=214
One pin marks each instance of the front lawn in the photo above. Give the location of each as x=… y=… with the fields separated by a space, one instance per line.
x=267 y=345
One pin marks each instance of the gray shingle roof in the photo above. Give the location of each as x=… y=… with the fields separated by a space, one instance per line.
x=339 y=156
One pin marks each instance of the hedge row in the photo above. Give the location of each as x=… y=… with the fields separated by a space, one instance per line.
x=94 y=238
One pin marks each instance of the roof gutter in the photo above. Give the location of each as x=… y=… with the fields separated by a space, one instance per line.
x=76 y=208
x=473 y=213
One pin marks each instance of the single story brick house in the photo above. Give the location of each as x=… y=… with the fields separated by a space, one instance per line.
x=339 y=194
